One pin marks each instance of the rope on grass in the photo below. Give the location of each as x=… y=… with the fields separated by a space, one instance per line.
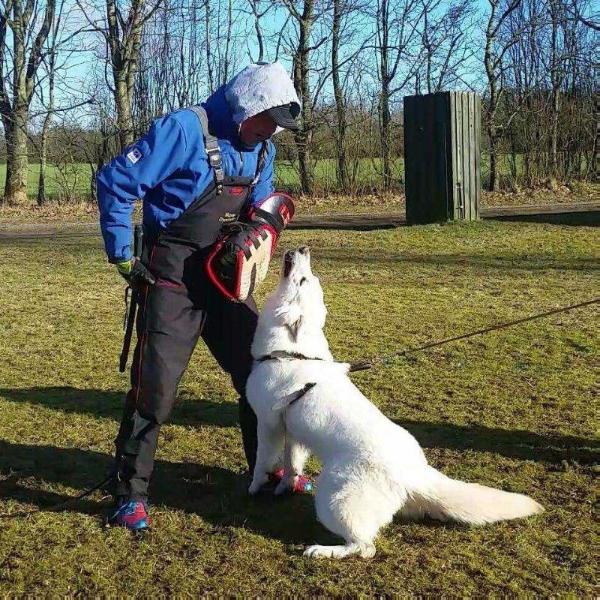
x=60 y=505
x=362 y=365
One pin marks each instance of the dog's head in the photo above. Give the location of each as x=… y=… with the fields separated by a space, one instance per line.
x=294 y=314
x=299 y=296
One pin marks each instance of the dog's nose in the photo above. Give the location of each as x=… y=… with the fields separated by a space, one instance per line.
x=304 y=250
x=288 y=261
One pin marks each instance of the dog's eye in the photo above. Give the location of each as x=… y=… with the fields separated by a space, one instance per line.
x=303 y=280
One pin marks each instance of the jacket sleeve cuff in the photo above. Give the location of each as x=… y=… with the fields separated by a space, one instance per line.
x=116 y=259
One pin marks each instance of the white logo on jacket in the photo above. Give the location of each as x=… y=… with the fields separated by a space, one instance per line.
x=371 y=467
x=134 y=155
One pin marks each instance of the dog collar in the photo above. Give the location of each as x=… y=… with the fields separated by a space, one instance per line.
x=360 y=365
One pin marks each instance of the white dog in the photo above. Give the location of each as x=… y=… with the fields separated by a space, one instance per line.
x=371 y=467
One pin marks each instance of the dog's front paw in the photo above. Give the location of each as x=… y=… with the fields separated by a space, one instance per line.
x=317 y=551
x=284 y=486
x=257 y=483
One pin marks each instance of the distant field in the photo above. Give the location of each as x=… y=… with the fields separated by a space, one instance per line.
x=74 y=182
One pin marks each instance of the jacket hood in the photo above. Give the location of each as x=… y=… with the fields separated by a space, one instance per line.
x=257 y=88
x=253 y=90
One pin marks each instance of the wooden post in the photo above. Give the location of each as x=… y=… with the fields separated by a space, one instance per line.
x=442 y=157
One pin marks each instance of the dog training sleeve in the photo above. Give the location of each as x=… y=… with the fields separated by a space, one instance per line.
x=130 y=175
x=264 y=186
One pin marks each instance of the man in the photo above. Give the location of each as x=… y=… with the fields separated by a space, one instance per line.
x=193 y=186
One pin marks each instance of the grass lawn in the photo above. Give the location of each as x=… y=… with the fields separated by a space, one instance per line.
x=73 y=181
x=75 y=178
x=514 y=409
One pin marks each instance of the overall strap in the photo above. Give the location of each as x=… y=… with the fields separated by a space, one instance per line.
x=212 y=147
x=262 y=159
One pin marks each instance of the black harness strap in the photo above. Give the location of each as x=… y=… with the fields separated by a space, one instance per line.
x=282 y=354
x=212 y=147
x=262 y=159
x=214 y=153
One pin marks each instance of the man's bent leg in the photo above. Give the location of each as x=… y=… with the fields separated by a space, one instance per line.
x=168 y=329
x=228 y=333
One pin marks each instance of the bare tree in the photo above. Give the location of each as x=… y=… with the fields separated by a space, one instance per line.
x=173 y=69
x=573 y=8
x=444 y=49
x=258 y=13
x=305 y=17
x=24 y=27
x=494 y=56
x=122 y=30
x=347 y=23
x=396 y=22
x=56 y=43
x=546 y=111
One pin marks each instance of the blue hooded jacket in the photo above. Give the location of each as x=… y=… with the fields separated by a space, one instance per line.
x=168 y=167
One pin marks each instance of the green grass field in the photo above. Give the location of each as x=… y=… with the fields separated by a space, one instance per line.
x=75 y=180
x=515 y=409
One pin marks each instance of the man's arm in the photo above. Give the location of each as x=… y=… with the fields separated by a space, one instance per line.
x=130 y=175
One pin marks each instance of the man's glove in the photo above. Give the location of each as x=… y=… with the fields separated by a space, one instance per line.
x=240 y=259
x=135 y=273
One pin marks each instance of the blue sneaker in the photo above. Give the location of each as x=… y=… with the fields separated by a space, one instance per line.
x=132 y=514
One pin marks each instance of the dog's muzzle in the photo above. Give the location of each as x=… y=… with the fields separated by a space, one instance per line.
x=288 y=258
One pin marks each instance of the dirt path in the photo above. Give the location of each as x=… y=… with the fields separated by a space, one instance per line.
x=584 y=213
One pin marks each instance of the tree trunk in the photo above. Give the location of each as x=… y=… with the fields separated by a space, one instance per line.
x=385 y=120
x=555 y=78
x=41 y=195
x=554 y=132
x=15 y=188
x=384 y=94
x=493 y=141
x=124 y=117
x=340 y=104
x=303 y=137
x=15 y=113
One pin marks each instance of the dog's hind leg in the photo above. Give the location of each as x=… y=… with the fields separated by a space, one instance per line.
x=354 y=504
x=269 y=452
x=294 y=457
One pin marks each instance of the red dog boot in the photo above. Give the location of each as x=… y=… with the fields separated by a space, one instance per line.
x=302 y=483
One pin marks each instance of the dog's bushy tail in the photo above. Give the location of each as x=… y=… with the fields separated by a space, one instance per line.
x=448 y=499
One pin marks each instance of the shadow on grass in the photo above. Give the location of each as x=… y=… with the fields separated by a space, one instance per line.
x=215 y=494
x=109 y=405
x=510 y=443
x=589 y=218
x=507 y=262
x=519 y=444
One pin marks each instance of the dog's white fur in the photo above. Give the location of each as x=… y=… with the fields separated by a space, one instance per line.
x=371 y=467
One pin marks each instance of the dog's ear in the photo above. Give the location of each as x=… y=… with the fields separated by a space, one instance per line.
x=290 y=315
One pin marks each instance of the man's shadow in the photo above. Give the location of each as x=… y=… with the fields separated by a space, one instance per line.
x=108 y=404
x=216 y=494
x=219 y=495
x=520 y=444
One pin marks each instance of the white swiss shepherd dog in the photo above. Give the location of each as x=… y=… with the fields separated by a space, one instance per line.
x=371 y=467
